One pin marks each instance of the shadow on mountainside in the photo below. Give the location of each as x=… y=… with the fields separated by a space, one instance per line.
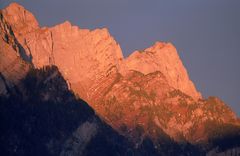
x=51 y=121
x=42 y=117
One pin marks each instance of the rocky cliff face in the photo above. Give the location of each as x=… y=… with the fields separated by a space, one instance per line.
x=78 y=47
x=146 y=95
x=163 y=57
x=12 y=67
x=82 y=56
x=50 y=121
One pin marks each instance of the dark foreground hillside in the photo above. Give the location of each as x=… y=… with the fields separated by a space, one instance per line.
x=43 y=118
x=40 y=116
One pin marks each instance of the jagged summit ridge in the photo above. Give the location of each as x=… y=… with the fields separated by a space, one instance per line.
x=19 y=18
x=146 y=95
x=75 y=51
x=97 y=49
x=163 y=57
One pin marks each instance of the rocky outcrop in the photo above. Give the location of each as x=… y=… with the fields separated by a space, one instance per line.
x=147 y=95
x=12 y=67
x=87 y=55
x=162 y=57
x=148 y=102
x=50 y=121
x=83 y=56
x=21 y=20
x=92 y=53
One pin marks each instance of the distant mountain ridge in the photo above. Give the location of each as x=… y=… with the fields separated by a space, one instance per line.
x=146 y=95
x=46 y=46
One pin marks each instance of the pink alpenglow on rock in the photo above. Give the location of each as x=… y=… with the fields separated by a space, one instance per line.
x=163 y=57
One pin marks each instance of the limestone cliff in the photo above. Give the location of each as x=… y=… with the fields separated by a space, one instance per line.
x=82 y=56
x=147 y=94
x=163 y=57
x=12 y=67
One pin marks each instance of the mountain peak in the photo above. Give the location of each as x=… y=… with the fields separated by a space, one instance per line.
x=146 y=95
x=163 y=57
x=159 y=45
x=96 y=47
x=95 y=52
x=19 y=18
x=67 y=23
x=14 y=5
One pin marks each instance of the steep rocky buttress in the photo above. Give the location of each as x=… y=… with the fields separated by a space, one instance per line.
x=147 y=95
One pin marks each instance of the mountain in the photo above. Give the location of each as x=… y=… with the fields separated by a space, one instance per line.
x=163 y=57
x=147 y=98
x=51 y=121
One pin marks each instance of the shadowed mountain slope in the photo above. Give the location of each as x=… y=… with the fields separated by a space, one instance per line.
x=147 y=98
x=51 y=121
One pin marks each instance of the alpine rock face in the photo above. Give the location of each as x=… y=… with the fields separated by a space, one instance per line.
x=146 y=95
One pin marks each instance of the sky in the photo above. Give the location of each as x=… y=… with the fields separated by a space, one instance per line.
x=206 y=33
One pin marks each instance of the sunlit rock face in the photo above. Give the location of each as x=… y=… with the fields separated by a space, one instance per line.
x=92 y=53
x=21 y=20
x=148 y=105
x=147 y=94
x=12 y=67
x=163 y=57
x=83 y=56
